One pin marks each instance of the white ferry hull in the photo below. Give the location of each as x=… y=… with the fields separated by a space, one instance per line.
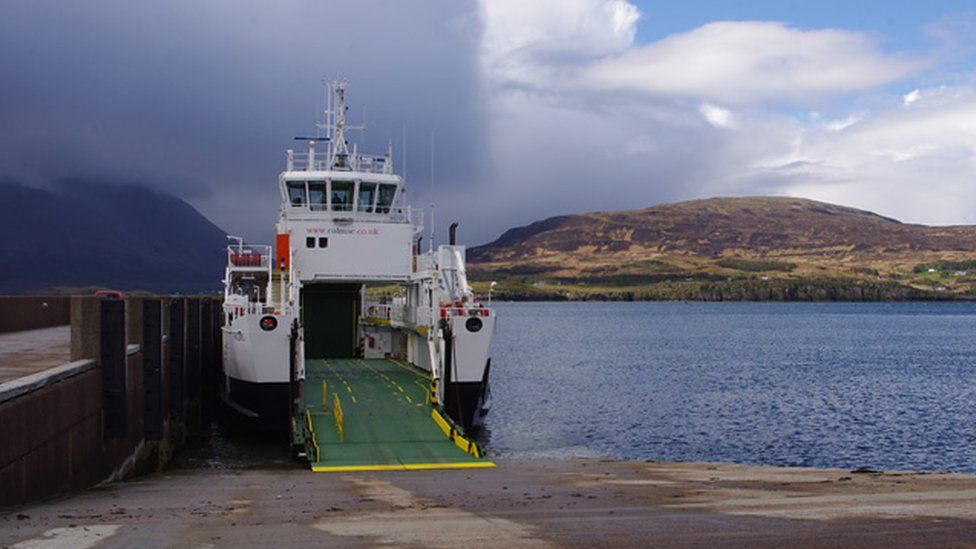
x=466 y=392
x=256 y=380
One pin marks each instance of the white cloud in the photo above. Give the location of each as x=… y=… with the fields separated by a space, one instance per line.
x=717 y=116
x=918 y=164
x=751 y=61
x=588 y=45
x=522 y=41
x=844 y=123
x=911 y=97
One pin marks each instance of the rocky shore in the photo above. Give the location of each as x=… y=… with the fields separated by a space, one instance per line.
x=813 y=289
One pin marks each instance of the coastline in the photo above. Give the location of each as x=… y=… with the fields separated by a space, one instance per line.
x=781 y=290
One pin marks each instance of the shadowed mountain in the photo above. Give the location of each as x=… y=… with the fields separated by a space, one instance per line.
x=732 y=239
x=122 y=237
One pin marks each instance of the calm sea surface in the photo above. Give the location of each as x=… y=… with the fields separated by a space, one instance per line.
x=886 y=386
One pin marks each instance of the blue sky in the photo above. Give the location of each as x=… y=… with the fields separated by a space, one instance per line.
x=898 y=26
x=537 y=108
x=899 y=23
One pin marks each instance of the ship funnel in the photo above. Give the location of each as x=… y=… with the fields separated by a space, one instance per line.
x=453 y=233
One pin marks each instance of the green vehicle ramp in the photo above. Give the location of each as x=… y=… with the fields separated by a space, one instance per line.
x=378 y=415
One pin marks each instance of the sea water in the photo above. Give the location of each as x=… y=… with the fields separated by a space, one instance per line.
x=877 y=385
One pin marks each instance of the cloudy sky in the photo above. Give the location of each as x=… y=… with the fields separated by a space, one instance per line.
x=535 y=107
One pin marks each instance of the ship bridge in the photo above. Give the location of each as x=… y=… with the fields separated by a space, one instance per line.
x=346 y=226
x=344 y=216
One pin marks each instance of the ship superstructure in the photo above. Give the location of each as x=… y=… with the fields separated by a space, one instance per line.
x=347 y=293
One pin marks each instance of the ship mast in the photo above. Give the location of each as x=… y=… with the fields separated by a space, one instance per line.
x=337 y=156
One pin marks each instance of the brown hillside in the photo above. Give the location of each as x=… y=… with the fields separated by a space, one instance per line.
x=720 y=238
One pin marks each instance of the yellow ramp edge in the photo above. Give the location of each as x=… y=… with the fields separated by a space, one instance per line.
x=464 y=444
x=401 y=467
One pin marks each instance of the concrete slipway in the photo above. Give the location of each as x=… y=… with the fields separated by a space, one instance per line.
x=517 y=504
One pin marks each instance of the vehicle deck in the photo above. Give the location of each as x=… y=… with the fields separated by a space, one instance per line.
x=378 y=415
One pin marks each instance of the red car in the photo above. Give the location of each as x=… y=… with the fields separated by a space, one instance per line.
x=108 y=294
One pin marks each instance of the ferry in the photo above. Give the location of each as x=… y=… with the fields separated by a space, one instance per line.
x=346 y=326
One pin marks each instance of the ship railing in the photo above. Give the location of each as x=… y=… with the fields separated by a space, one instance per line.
x=412 y=317
x=387 y=214
x=376 y=311
x=405 y=214
x=397 y=315
x=261 y=309
x=356 y=162
x=395 y=214
x=371 y=163
x=386 y=313
x=249 y=255
x=238 y=309
x=459 y=309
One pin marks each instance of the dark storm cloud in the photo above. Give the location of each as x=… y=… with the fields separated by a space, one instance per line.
x=533 y=114
x=201 y=98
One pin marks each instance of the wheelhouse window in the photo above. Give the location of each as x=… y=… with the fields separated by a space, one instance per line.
x=367 y=192
x=316 y=195
x=342 y=196
x=309 y=241
x=385 y=199
x=296 y=193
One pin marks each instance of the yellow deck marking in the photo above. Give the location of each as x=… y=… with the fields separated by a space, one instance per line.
x=337 y=413
x=410 y=369
x=383 y=376
x=311 y=431
x=341 y=379
x=402 y=467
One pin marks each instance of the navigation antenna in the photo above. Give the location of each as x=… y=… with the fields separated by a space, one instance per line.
x=430 y=244
x=337 y=155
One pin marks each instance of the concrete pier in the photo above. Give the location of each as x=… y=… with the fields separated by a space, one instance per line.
x=112 y=401
x=31 y=351
x=526 y=503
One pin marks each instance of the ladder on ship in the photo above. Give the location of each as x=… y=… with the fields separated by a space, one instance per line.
x=376 y=415
x=278 y=288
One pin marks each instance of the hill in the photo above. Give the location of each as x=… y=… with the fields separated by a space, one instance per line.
x=731 y=248
x=122 y=237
